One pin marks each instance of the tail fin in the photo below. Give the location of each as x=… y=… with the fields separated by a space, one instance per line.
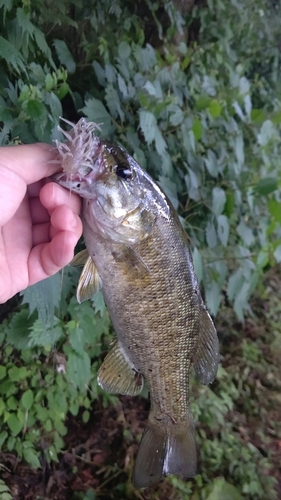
x=163 y=452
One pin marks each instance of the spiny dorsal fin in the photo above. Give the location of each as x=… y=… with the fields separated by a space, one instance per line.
x=80 y=258
x=117 y=376
x=89 y=282
x=207 y=355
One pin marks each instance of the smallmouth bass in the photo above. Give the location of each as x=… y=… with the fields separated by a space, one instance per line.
x=138 y=255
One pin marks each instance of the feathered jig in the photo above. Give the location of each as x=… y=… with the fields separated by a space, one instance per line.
x=77 y=154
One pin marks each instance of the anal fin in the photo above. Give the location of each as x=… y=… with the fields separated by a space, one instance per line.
x=117 y=376
x=207 y=356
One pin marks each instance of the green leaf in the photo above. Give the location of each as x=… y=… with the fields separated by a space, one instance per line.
x=122 y=86
x=124 y=50
x=274 y=207
x=62 y=90
x=148 y=125
x=219 y=199
x=113 y=102
x=258 y=116
x=35 y=109
x=86 y=416
x=160 y=143
x=202 y=102
x=230 y=204
x=99 y=304
x=262 y=259
x=267 y=185
x=27 y=399
x=44 y=335
x=11 y=55
x=14 y=424
x=18 y=333
x=277 y=253
x=235 y=283
x=44 y=297
x=2 y=406
x=213 y=297
x=65 y=56
x=76 y=337
x=221 y=490
x=49 y=82
x=100 y=74
x=24 y=22
x=267 y=132
x=96 y=112
x=176 y=115
x=276 y=118
x=211 y=235
x=211 y=163
x=246 y=233
x=215 y=108
x=197 y=129
x=79 y=369
x=42 y=45
x=3 y=437
x=90 y=495
x=3 y=371
x=223 y=229
x=12 y=403
x=31 y=456
x=18 y=373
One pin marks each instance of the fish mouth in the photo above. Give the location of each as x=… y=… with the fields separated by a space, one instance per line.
x=78 y=183
x=81 y=180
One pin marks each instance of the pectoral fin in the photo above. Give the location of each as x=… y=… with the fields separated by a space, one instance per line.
x=89 y=282
x=80 y=258
x=130 y=260
x=117 y=376
x=207 y=355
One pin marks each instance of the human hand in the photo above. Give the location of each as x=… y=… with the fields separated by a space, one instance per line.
x=39 y=222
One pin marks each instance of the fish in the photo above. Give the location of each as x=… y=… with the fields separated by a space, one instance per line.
x=137 y=253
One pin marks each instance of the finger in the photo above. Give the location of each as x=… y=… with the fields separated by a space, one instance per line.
x=30 y=161
x=63 y=219
x=41 y=233
x=38 y=212
x=12 y=192
x=47 y=259
x=34 y=189
x=52 y=195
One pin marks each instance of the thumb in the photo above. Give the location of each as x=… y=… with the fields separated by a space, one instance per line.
x=12 y=192
x=32 y=162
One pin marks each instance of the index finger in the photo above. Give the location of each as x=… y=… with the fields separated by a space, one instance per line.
x=30 y=161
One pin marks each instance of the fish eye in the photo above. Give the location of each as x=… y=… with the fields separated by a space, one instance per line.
x=122 y=170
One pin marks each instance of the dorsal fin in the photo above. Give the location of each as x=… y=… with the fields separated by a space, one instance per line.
x=207 y=356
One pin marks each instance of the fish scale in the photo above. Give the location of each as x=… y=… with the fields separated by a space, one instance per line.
x=138 y=255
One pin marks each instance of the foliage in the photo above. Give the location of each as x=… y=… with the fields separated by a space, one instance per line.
x=5 y=491
x=195 y=97
x=45 y=373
